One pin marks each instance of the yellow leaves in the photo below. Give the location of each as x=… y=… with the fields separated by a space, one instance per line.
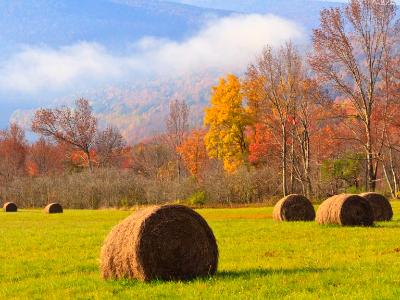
x=227 y=119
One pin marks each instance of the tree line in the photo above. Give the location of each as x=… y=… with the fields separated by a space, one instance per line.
x=317 y=123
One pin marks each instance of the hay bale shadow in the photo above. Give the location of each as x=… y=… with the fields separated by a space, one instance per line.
x=245 y=274
x=248 y=273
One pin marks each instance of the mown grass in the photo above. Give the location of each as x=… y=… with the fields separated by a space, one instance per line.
x=57 y=257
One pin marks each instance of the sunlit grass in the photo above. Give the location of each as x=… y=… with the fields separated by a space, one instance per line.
x=57 y=256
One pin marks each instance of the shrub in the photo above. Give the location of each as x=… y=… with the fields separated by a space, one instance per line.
x=198 y=199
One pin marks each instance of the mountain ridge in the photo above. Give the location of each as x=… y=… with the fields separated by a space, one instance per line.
x=56 y=23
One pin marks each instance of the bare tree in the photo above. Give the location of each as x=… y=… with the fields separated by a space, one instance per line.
x=272 y=89
x=349 y=55
x=109 y=146
x=177 y=124
x=311 y=100
x=150 y=157
x=76 y=127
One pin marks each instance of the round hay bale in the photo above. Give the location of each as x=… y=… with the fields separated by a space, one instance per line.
x=10 y=207
x=294 y=208
x=53 y=208
x=381 y=206
x=346 y=210
x=170 y=242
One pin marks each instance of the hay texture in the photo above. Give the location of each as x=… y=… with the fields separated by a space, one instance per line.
x=53 y=208
x=381 y=206
x=346 y=210
x=294 y=208
x=10 y=207
x=170 y=242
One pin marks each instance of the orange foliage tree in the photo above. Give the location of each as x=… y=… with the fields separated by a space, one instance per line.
x=45 y=158
x=194 y=153
x=13 y=152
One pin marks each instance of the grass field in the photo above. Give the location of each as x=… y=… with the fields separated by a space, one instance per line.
x=57 y=257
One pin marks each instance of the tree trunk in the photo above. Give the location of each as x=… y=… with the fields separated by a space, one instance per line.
x=389 y=182
x=292 y=166
x=284 y=161
x=179 y=168
x=307 y=165
x=371 y=182
x=394 y=175
x=89 y=160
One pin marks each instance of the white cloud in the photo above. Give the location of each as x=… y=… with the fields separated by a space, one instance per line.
x=228 y=44
x=34 y=69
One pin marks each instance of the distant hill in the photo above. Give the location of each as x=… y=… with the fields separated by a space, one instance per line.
x=114 y=23
x=305 y=12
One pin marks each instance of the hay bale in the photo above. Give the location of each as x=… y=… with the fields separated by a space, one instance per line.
x=53 y=208
x=170 y=242
x=10 y=207
x=381 y=206
x=294 y=208
x=346 y=210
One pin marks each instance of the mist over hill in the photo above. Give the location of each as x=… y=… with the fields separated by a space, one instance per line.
x=131 y=57
x=305 y=12
x=115 y=23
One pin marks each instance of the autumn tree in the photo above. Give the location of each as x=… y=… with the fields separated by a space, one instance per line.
x=177 y=124
x=309 y=118
x=46 y=157
x=75 y=127
x=109 y=146
x=350 y=49
x=13 y=152
x=263 y=147
x=390 y=132
x=148 y=157
x=226 y=120
x=272 y=89
x=387 y=115
x=194 y=153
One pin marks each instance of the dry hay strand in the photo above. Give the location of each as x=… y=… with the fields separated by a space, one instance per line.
x=170 y=242
x=381 y=206
x=346 y=210
x=294 y=208
x=53 y=208
x=10 y=207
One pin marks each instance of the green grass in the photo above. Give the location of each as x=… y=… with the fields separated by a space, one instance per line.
x=57 y=257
